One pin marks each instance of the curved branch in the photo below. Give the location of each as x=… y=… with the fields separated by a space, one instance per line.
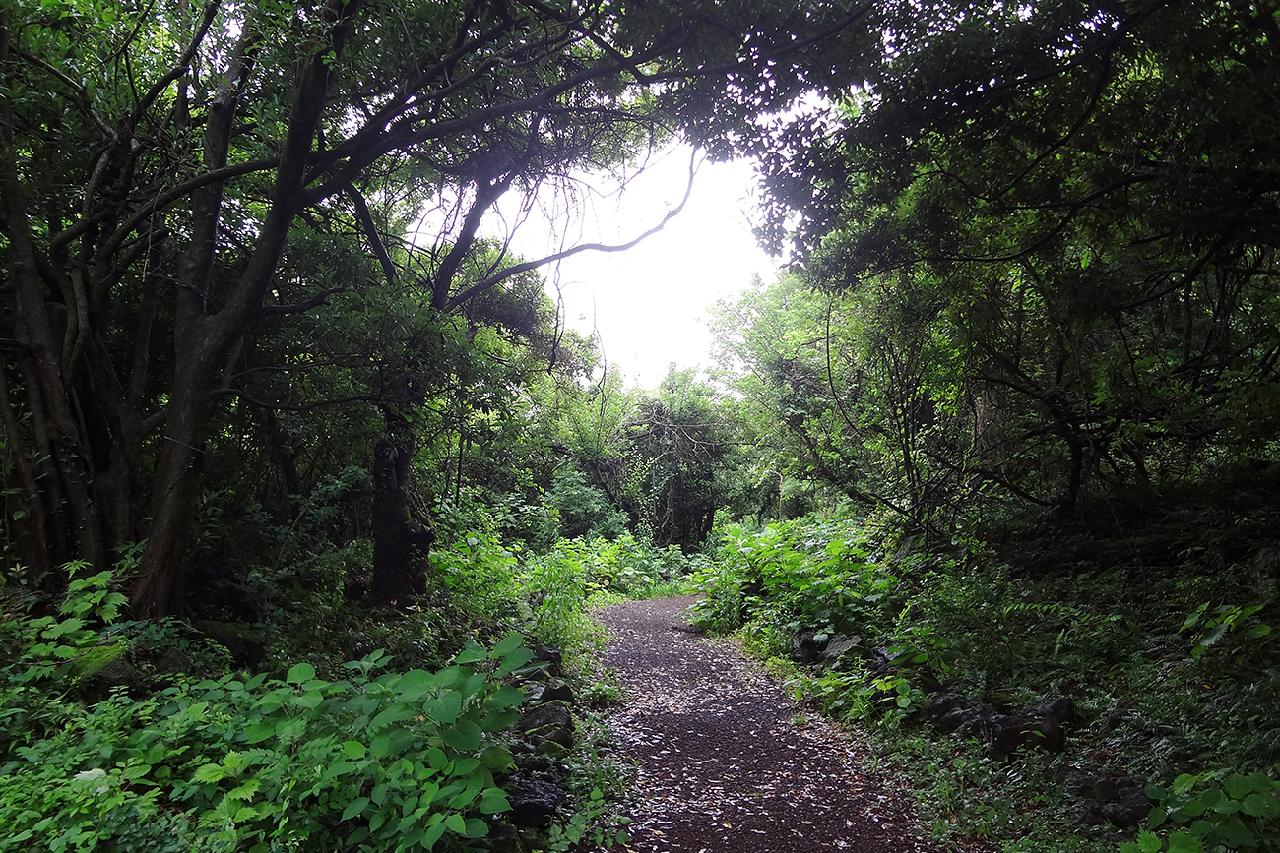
x=491 y=281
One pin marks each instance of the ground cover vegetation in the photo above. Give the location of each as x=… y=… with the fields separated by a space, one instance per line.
x=308 y=491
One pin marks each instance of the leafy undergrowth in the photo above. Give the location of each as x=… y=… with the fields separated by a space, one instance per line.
x=144 y=735
x=378 y=759
x=1173 y=677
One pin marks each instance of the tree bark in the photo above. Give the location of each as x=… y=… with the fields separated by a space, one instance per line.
x=401 y=541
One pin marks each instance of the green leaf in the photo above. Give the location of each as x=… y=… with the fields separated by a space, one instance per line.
x=413 y=685
x=258 y=732
x=1184 y=783
x=353 y=749
x=494 y=801
x=300 y=672
x=446 y=708
x=1260 y=805
x=389 y=715
x=1184 y=842
x=471 y=654
x=476 y=828
x=1149 y=842
x=456 y=823
x=432 y=835
x=513 y=661
x=210 y=773
x=465 y=736
x=1239 y=785
x=355 y=807
x=505 y=697
x=380 y=746
x=506 y=645
x=1237 y=834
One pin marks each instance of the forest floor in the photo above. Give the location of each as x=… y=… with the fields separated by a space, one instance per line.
x=726 y=762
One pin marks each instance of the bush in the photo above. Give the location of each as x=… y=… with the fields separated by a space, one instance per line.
x=383 y=759
x=583 y=510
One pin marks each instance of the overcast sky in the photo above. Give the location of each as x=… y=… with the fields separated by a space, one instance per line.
x=650 y=302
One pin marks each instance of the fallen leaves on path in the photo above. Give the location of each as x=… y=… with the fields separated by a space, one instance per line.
x=727 y=762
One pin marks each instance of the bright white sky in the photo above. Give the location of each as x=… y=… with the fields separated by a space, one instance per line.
x=650 y=302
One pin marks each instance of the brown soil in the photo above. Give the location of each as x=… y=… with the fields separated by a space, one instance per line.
x=726 y=761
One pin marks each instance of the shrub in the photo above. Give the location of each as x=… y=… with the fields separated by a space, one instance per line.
x=389 y=760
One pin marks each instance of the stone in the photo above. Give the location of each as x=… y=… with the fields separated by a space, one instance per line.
x=534 y=800
x=806 y=646
x=1010 y=733
x=115 y=674
x=547 y=721
x=1041 y=726
x=1061 y=710
x=837 y=648
x=556 y=690
x=172 y=661
x=245 y=642
x=1107 y=798
x=551 y=657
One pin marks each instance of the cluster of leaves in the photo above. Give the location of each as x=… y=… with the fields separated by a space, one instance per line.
x=800 y=575
x=376 y=758
x=574 y=575
x=1212 y=811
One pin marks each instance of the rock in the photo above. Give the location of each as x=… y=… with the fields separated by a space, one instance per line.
x=1107 y=798
x=951 y=713
x=504 y=838
x=1010 y=733
x=836 y=649
x=547 y=721
x=1130 y=806
x=115 y=674
x=556 y=690
x=1117 y=718
x=941 y=705
x=1061 y=710
x=806 y=646
x=551 y=657
x=1077 y=782
x=174 y=661
x=1041 y=726
x=534 y=800
x=245 y=642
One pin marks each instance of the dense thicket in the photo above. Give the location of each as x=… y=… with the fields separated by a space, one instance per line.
x=1039 y=260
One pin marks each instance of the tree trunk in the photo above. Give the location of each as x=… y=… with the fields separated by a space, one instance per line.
x=400 y=540
x=176 y=490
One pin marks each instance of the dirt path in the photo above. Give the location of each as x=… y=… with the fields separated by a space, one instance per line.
x=725 y=764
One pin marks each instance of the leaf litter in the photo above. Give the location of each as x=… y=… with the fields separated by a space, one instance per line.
x=726 y=761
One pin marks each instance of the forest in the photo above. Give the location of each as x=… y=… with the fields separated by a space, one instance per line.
x=324 y=529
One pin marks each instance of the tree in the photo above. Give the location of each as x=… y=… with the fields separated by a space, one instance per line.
x=1070 y=205
x=161 y=164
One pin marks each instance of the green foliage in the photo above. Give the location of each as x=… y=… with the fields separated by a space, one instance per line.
x=584 y=510
x=1240 y=622
x=1012 y=641
x=376 y=759
x=69 y=645
x=1211 y=811
x=806 y=574
x=559 y=584
x=598 y=782
x=480 y=576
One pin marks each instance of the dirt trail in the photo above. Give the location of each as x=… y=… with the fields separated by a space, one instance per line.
x=725 y=763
